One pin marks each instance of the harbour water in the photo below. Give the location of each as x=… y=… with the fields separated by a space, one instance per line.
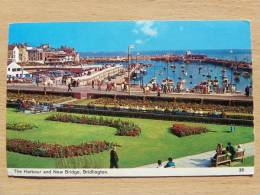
x=192 y=73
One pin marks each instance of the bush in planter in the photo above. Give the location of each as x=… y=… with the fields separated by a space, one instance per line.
x=184 y=130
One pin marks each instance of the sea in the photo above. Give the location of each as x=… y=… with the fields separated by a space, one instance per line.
x=191 y=73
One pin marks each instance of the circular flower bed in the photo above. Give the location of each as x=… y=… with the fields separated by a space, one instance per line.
x=19 y=126
x=55 y=150
x=124 y=128
x=181 y=130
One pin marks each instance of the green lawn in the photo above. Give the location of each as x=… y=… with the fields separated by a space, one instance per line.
x=248 y=161
x=156 y=142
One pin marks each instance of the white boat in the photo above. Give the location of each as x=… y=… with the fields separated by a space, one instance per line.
x=246 y=74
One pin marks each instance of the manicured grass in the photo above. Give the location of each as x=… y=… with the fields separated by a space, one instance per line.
x=248 y=162
x=156 y=141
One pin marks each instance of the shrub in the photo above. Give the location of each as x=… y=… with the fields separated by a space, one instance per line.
x=184 y=130
x=19 y=126
x=35 y=148
x=124 y=128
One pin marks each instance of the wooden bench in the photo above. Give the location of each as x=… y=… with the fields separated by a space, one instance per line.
x=221 y=159
x=239 y=156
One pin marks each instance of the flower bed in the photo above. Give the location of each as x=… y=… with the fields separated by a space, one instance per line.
x=19 y=126
x=55 y=150
x=184 y=130
x=124 y=128
x=152 y=104
x=12 y=96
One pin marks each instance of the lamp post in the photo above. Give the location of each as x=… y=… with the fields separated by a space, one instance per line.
x=129 y=69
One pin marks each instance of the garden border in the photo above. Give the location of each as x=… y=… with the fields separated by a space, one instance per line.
x=36 y=148
x=160 y=115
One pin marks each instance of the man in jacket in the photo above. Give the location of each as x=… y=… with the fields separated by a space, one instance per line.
x=113 y=158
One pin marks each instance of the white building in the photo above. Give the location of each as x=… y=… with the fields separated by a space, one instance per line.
x=16 y=71
x=13 y=53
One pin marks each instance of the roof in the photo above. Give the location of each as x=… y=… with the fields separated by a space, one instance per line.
x=13 y=65
x=11 y=47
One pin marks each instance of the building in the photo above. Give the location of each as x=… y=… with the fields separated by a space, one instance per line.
x=23 y=53
x=45 y=47
x=16 y=71
x=44 y=54
x=13 y=53
x=63 y=55
x=35 y=55
x=71 y=53
x=56 y=57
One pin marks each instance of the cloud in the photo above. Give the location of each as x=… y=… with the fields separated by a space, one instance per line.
x=135 y=31
x=145 y=27
x=139 y=41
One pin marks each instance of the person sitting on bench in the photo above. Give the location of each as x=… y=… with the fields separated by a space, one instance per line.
x=231 y=149
x=219 y=151
x=239 y=148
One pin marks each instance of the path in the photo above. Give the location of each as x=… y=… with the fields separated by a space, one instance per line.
x=134 y=92
x=201 y=160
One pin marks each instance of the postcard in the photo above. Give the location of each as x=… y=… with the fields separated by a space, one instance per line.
x=130 y=99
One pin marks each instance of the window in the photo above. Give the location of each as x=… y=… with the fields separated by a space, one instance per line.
x=14 y=69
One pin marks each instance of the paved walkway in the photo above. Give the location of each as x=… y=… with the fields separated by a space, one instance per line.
x=134 y=91
x=201 y=160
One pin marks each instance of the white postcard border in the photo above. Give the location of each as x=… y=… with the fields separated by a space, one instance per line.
x=131 y=172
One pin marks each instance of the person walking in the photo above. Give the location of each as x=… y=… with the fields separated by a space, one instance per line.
x=113 y=158
x=69 y=87
x=93 y=84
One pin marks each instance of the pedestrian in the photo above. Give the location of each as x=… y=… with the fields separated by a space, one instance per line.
x=93 y=84
x=159 y=164
x=69 y=87
x=37 y=81
x=44 y=88
x=158 y=91
x=247 y=91
x=170 y=163
x=113 y=158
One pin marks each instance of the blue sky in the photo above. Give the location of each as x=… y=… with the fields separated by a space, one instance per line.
x=145 y=35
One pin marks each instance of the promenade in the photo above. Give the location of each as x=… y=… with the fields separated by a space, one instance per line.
x=135 y=91
x=201 y=160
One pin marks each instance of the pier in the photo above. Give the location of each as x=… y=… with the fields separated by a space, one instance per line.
x=192 y=58
x=101 y=75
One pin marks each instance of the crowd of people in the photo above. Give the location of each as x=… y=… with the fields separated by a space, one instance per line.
x=229 y=150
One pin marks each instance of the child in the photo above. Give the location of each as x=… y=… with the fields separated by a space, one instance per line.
x=159 y=165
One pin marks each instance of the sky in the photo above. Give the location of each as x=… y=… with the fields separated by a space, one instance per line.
x=144 y=35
